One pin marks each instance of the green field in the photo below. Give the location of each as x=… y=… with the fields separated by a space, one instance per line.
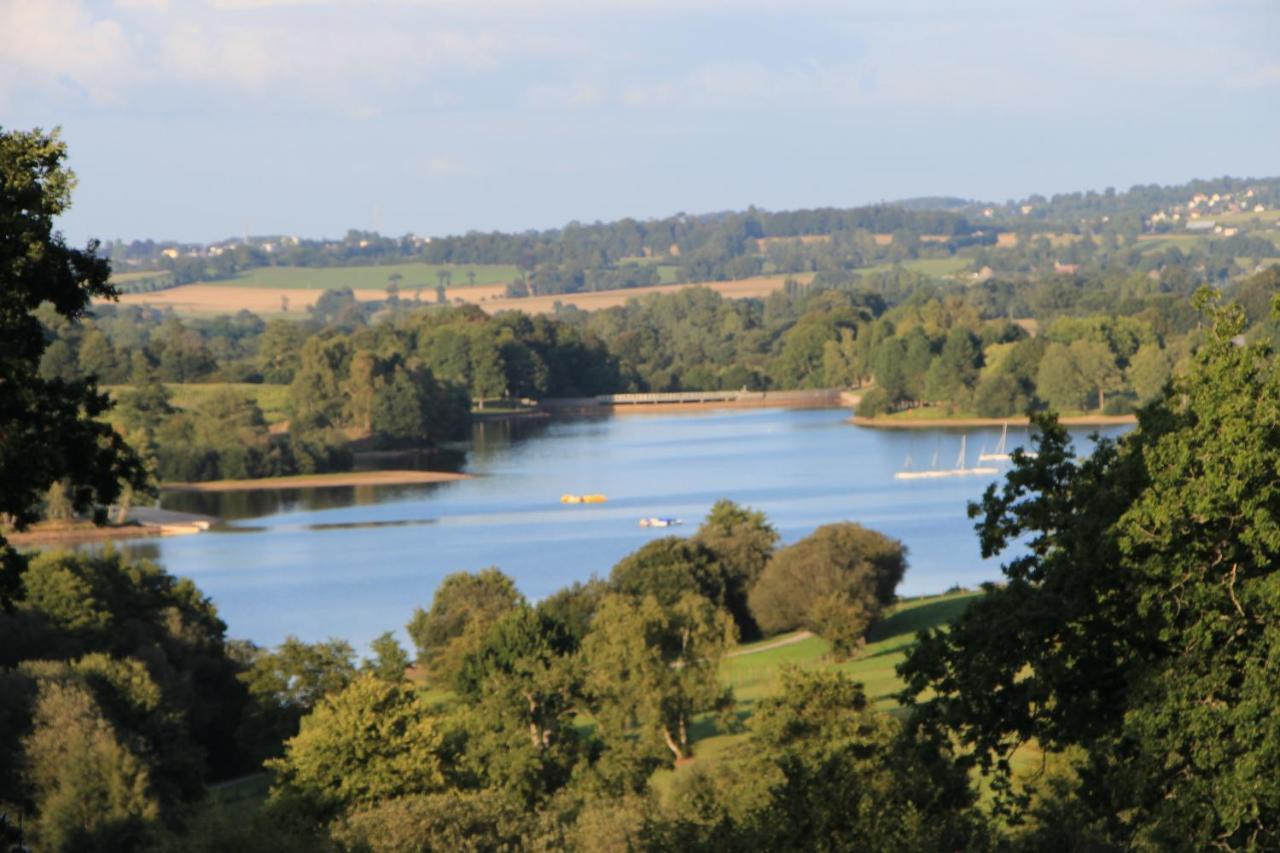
x=371 y=277
x=272 y=399
x=756 y=676
x=126 y=277
x=937 y=267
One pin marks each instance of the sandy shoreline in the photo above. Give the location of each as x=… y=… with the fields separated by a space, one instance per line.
x=959 y=423
x=314 y=481
x=143 y=522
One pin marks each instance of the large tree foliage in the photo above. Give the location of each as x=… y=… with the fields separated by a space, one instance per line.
x=742 y=541
x=370 y=742
x=651 y=667
x=834 y=582
x=49 y=427
x=821 y=770
x=462 y=610
x=1138 y=621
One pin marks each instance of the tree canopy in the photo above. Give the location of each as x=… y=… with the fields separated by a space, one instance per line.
x=1137 y=620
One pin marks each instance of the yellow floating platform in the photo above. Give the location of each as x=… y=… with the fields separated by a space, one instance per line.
x=583 y=499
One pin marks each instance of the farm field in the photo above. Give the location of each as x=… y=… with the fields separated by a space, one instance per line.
x=415 y=275
x=594 y=301
x=212 y=299
x=206 y=300
x=289 y=291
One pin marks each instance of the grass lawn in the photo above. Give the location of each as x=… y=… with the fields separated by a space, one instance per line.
x=371 y=277
x=756 y=676
x=272 y=399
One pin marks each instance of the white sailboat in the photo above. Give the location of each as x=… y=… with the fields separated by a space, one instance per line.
x=999 y=454
x=935 y=472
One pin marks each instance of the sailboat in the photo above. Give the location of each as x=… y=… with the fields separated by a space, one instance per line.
x=999 y=454
x=959 y=471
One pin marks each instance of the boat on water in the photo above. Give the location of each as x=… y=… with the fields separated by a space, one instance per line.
x=658 y=521
x=958 y=471
x=583 y=499
x=1000 y=454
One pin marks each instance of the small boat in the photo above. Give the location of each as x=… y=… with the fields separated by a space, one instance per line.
x=583 y=499
x=658 y=521
x=999 y=454
x=959 y=471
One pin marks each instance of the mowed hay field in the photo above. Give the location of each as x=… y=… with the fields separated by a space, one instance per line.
x=364 y=277
x=211 y=299
x=228 y=298
x=742 y=289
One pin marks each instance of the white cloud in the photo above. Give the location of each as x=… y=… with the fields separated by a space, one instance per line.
x=59 y=44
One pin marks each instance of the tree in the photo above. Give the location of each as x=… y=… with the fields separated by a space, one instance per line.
x=97 y=357
x=452 y=820
x=1097 y=366
x=371 y=742
x=742 y=541
x=359 y=391
x=669 y=568
x=398 y=407
x=52 y=428
x=1059 y=381
x=1149 y=370
x=522 y=687
x=462 y=610
x=279 y=350
x=653 y=667
x=315 y=395
x=835 y=582
x=954 y=372
x=1134 y=623
x=91 y=791
x=298 y=675
x=823 y=770
x=390 y=660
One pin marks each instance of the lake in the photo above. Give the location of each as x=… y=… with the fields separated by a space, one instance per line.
x=354 y=562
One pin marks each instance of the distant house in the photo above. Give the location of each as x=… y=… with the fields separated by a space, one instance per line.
x=1066 y=269
x=1201 y=225
x=170 y=253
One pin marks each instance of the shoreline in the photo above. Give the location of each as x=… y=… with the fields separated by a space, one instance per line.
x=961 y=423
x=628 y=404
x=319 y=481
x=142 y=523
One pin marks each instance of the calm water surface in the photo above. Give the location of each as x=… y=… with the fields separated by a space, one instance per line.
x=352 y=563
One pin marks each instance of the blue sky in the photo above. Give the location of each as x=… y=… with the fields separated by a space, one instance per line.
x=202 y=119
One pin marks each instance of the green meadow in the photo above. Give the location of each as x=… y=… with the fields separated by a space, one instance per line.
x=272 y=399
